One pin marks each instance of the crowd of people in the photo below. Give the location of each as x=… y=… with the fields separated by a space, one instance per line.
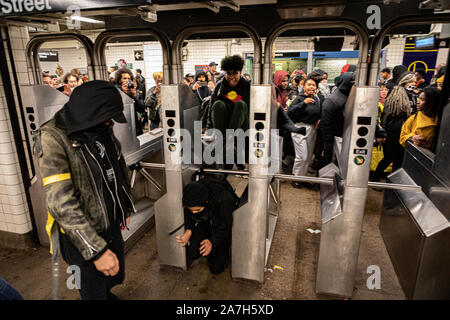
x=64 y=82
x=310 y=114
x=311 y=111
x=408 y=111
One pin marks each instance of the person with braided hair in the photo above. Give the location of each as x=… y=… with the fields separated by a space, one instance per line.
x=399 y=106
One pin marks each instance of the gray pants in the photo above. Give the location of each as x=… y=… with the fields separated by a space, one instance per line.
x=304 y=149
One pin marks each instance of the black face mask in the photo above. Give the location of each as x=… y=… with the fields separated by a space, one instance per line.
x=200 y=216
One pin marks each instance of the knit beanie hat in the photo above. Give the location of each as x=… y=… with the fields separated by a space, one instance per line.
x=195 y=194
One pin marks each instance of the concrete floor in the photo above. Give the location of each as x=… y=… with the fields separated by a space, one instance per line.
x=293 y=248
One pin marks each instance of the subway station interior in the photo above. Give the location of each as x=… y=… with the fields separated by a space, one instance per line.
x=333 y=232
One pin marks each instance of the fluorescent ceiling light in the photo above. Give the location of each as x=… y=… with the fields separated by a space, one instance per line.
x=83 y=19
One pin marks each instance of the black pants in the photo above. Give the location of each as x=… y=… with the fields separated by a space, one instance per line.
x=393 y=152
x=217 y=258
x=94 y=284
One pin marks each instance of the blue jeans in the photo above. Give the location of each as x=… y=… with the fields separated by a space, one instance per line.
x=7 y=292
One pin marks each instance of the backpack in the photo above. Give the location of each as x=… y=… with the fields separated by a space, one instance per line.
x=216 y=187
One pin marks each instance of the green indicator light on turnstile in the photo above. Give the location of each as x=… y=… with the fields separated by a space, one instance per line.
x=172 y=147
x=359 y=160
x=259 y=153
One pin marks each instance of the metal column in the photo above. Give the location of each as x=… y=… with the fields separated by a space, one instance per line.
x=177 y=113
x=251 y=222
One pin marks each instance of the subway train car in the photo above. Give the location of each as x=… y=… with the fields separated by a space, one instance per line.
x=341 y=235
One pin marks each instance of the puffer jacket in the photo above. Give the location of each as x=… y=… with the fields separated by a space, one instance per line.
x=74 y=190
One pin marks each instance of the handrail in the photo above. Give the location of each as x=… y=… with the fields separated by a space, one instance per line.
x=106 y=36
x=36 y=42
x=319 y=24
x=177 y=69
x=381 y=34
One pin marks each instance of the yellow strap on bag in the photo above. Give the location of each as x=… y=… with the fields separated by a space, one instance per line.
x=48 y=227
x=51 y=222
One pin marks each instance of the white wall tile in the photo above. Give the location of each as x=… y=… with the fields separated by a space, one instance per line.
x=11 y=227
x=20 y=219
x=23 y=228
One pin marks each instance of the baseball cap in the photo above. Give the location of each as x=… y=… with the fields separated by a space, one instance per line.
x=212 y=64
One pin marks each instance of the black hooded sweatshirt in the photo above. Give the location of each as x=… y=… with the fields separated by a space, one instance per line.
x=90 y=106
x=332 y=117
x=231 y=95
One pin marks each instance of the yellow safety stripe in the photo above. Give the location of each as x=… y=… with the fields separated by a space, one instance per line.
x=56 y=178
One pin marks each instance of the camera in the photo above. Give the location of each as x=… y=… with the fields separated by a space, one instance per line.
x=130 y=84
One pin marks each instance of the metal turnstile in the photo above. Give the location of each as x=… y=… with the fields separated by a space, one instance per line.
x=254 y=222
x=416 y=226
x=343 y=204
x=179 y=111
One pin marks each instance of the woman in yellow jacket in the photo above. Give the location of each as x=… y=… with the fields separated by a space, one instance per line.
x=420 y=127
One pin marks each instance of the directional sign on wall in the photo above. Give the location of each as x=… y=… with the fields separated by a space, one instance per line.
x=25 y=7
x=138 y=55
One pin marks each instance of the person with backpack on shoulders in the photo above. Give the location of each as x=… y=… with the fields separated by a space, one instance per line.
x=208 y=215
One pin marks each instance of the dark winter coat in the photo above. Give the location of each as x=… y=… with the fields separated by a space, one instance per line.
x=299 y=111
x=73 y=184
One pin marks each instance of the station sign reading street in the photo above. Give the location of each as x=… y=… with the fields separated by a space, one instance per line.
x=27 y=7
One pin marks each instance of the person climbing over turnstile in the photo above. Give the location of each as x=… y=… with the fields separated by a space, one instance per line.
x=87 y=186
x=208 y=215
x=230 y=101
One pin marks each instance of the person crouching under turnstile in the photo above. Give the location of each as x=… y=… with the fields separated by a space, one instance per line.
x=208 y=207
x=305 y=112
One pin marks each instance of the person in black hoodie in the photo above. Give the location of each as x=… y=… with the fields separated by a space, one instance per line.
x=87 y=186
x=332 y=115
x=396 y=73
x=208 y=218
x=305 y=112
